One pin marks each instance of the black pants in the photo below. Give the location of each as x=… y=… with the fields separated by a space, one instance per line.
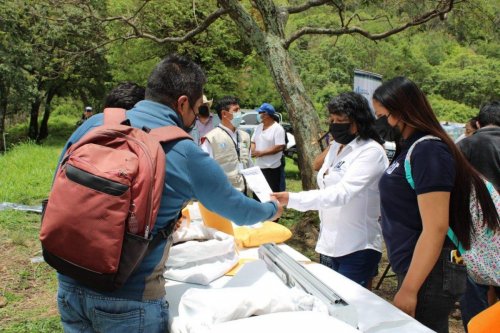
x=438 y=294
x=273 y=177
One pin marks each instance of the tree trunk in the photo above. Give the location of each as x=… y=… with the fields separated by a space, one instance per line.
x=33 y=125
x=269 y=45
x=3 y=112
x=44 y=128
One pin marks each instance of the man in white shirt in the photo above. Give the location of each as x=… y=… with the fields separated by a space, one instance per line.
x=228 y=145
x=268 y=142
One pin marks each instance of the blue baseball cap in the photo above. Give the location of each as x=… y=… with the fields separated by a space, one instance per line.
x=267 y=108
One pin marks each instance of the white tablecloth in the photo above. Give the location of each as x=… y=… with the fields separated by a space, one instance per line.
x=375 y=315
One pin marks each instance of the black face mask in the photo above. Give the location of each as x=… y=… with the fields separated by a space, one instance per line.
x=203 y=111
x=386 y=131
x=342 y=133
x=190 y=127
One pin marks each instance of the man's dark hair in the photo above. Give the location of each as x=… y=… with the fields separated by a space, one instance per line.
x=489 y=114
x=125 y=96
x=356 y=107
x=173 y=77
x=225 y=103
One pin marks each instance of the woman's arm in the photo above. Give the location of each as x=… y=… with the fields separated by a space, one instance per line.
x=363 y=171
x=434 y=211
x=318 y=161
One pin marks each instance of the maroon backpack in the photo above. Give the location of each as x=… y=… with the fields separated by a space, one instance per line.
x=96 y=225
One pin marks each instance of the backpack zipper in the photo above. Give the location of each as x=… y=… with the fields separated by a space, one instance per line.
x=150 y=192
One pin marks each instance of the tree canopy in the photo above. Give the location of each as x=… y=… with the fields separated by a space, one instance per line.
x=296 y=54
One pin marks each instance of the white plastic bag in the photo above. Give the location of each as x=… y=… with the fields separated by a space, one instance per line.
x=200 y=255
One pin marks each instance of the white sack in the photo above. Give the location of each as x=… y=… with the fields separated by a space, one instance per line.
x=206 y=255
x=201 y=309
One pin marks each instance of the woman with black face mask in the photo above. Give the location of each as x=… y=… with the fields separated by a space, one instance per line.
x=423 y=194
x=350 y=240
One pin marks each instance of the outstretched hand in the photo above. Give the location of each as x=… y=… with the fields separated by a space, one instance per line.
x=282 y=197
x=279 y=211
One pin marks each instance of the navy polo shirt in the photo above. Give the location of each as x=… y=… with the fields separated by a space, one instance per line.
x=433 y=170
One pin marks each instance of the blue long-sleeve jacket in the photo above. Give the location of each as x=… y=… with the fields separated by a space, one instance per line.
x=190 y=174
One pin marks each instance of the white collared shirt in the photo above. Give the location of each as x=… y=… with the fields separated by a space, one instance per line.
x=348 y=199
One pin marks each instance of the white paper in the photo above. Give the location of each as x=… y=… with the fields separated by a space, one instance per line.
x=257 y=183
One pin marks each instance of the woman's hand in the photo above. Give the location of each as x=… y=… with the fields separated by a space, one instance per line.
x=282 y=197
x=406 y=301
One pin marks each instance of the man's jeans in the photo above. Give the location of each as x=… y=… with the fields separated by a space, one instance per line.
x=83 y=310
x=444 y=285
x=360 y=266
x=474 y=301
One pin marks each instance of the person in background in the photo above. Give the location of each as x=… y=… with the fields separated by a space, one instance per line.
x=470 y=128
x=268 y=142
x=482 y=150
x=86 y=115
x=415 y=221
x=228 y=145
x=125 y=96
x=173 y=95
x=350 y=239
x=206 y=121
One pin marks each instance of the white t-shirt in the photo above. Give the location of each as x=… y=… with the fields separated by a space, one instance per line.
x=348 y=199
x=265 y=139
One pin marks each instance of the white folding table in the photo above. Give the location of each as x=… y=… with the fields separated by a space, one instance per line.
x=375 y=315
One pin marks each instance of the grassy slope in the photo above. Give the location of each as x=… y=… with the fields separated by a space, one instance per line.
x=29 y=289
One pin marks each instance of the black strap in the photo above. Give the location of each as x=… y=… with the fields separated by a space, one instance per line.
x=163 y=233
x=236 y=144
x=237 y=147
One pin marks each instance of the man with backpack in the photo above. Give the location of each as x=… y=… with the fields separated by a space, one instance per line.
x=173 y=95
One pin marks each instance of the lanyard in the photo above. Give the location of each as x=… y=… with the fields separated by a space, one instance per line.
x=236 y=144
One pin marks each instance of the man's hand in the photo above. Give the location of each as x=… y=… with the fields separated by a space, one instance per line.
x=279 y=211
x=257 y=153
x=282 y=197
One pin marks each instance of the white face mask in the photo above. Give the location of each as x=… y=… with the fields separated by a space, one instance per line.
x=236 y=119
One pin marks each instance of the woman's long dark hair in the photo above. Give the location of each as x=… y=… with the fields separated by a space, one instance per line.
x=405 y=101
x=356 y=107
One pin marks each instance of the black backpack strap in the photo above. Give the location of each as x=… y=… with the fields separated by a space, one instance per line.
x=163 y=233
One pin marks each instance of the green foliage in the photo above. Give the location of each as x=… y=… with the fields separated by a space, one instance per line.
x=456 y=59
x=450 y=110
x=468 y=77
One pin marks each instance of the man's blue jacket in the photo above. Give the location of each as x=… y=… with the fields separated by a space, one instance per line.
x=190 y=174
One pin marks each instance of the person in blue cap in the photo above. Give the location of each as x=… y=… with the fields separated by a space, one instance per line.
x=267 y=145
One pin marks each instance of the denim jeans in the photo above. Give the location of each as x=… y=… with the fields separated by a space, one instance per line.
x=360 y=266
x=474 y=301
x=83 y=310
x=436 y=298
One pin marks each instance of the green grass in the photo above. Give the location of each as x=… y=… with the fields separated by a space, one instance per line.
x=27 y=171
x=44 y=325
